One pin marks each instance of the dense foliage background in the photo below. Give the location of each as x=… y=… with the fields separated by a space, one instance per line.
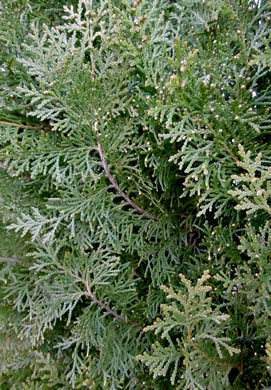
x=135 y=194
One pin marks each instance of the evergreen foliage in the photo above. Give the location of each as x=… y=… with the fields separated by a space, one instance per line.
x=135 y=194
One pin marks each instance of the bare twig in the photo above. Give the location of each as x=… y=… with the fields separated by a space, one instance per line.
x=108 y=309
x=117 y=187
x=10 y=260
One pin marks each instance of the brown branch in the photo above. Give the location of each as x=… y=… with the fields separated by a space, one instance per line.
x=108 y=309
x=10 y=260
x=117 y=187
x=13 y=124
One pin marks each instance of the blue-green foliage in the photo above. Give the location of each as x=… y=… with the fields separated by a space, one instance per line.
x=134 y=148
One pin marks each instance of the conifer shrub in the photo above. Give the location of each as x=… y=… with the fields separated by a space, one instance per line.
x=135 y=194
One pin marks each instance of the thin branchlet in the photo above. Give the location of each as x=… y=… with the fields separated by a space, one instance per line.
x=20 y=125
x=108 y=309
x=10 y=260
x=115 y=185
